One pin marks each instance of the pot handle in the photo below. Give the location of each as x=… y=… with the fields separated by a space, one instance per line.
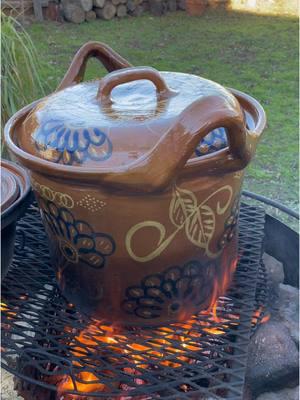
x=132 y=74
x=159 y=167
x=108 y=57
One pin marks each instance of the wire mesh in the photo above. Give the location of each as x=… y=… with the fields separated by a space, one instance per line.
x=62 y=352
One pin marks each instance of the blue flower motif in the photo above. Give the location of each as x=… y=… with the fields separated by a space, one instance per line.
x=214 y=141
x=171 y=292
x=76 y=239
x=59 y=143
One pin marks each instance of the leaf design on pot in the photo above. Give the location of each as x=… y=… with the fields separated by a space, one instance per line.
x=183 y=204
x=200 y=227
x=199 y=221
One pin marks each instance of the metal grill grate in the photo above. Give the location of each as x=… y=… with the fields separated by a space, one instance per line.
x=52 y=344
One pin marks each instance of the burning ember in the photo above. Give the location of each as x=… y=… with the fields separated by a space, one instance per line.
x=139 y=351
x=259 y=317
x=105 y=357
x=145 y=350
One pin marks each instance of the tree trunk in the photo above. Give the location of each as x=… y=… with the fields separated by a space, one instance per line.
x=195 y=8
x=217 y=4
x=99 y=3
x=38 y=12
x=90 y=15
x=165 y=7
x=172 y=5
x=146 y=6
x=54 y=12
x=86 y=5
x=130 y=5
x=121 y=11
x=138 y=11
x=181 y=4
x=157 y=7
x=107 y=12
x=73 y=13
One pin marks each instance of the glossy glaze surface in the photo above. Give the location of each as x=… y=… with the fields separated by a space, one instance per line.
x=9 y=188
x=148 y=233
x=75 y=126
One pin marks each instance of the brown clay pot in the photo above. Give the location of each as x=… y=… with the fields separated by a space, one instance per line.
x=195 y=8
x=139 y=193
x=15 y=197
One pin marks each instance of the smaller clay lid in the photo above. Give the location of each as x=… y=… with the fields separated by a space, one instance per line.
x=10 y=189
x=15 y=191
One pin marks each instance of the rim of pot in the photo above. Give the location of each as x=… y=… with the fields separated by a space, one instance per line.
x=44 y=167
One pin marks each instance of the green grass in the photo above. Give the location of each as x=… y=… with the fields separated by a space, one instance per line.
x=255 y=54
x=20 y=81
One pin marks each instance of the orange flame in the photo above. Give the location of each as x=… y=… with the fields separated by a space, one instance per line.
x=67 y=384
x=258 y=315
x=220 y=286
x=158 y=350
x=8 y=312
x=90 y=338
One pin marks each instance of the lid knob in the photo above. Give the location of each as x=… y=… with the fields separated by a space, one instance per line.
x=108 y=83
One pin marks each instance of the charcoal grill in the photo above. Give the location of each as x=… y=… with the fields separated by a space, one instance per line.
x=50 y=343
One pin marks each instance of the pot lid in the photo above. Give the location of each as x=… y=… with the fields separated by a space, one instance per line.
x=114 y=121
x=15 y=192
x=10 y=189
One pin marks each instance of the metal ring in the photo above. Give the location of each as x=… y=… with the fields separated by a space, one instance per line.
x=272 y=203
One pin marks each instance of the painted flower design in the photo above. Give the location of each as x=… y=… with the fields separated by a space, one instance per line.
x=61 y=144
x=214 y=141
x=170 y=292
x=230 y=224
x=76 y=239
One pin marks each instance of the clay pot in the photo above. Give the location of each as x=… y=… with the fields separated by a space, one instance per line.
x=138 y=177
x=15 y=197
x=195 y=8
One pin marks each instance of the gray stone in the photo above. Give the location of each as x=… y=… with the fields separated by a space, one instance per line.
x=289 y=295
x=272 y=359
x=289 y=309
x=7 y=386
x=286 y=394
x=274 y=269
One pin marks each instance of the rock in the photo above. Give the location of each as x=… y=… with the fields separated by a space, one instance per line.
x=289 y=309
x=7 y=387
x=274 y=269
x=286 y=394
x=275 y=276
x=273 y=359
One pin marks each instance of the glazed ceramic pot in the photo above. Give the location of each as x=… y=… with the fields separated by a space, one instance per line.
x=138 y=177
x=15 y=197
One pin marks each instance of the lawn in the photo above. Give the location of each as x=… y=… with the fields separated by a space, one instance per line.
x=255 y=54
